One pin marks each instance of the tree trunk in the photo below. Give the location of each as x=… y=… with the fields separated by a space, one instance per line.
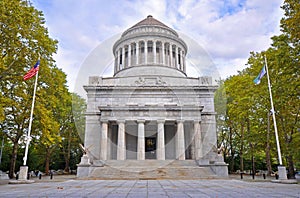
x=242 y=150
x=291 y=167
x=231 y=151
x=268 y=152
x=47 y=161
x=67 y=156
x=13 y=160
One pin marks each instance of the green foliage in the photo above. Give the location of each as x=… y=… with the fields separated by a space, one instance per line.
x=290 y=21
x=248 y=105
x=24 y=40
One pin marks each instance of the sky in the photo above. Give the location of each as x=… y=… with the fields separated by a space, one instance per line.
x=227 y=30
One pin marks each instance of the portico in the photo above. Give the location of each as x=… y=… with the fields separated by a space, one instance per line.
x=145 y=139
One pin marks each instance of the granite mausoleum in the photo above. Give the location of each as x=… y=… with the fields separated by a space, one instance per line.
x=150 y=120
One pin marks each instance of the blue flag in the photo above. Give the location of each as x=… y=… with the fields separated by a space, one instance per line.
x=260 y=75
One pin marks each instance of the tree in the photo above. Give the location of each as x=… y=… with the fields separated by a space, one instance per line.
x=23 y=37
x=24 y=40
x=290 y=22
x=72 y=129
x=248 y=106
x=290 y=41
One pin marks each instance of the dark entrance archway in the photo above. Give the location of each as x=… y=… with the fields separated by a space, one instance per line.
x=150 y=148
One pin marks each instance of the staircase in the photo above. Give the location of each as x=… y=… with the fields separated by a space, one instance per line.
x=151 y=169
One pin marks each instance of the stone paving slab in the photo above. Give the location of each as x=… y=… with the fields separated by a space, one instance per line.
x=151 y=188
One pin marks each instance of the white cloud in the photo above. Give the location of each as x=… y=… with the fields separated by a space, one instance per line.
x=227 y=30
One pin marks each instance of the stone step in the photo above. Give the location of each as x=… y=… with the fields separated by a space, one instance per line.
x=151 y=169
x=150 y=163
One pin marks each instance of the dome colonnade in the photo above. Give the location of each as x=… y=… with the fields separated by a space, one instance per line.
x=137 y=47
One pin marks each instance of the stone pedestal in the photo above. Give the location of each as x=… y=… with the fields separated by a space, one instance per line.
x=23 y=172
x=82 y=171
x=3 y=175
x=220 y=169
x=201 y=162
x=22 y=177
x=282 y=173
x=83 y=167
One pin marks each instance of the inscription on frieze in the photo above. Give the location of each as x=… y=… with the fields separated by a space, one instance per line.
x=205 y=80
x=94 y=80
x=150 y=81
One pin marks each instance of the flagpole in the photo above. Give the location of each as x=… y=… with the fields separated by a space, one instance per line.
x=30 y=121
x=273 y=114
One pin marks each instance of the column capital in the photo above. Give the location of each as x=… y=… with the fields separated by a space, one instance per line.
x=140 y=121
x=120 y=121
x=180 y=121
x=161 y=121
x=197 y=121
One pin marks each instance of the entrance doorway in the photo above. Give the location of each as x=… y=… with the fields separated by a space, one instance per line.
x=150 y=148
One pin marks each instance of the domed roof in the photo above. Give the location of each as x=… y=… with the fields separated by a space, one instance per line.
x=149 y=48
x=149 y=21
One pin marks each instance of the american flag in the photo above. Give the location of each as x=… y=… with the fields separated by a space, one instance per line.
x=32 y=72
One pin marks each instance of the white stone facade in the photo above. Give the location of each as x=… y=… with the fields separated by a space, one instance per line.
x=150 y=109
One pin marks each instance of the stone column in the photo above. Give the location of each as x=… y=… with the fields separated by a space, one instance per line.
x=192 y=141
x=163 y=52
x=121 y=153
x=198 y=140
x=137 y=53
x=141 y=140
x=179 y=139
x=154 y=51
x=129 y=55
x=183 y=62
x=176 y=58
x=119 y=57
x=170 y=55
x=109 y=143
x=103 y=144
x=116 y=61
x=146 y=51
x=123 y=57
x=92 y=134
x=160 y=140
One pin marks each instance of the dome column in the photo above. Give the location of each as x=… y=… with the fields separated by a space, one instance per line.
x=123 y=57
x=137 y=53
x=170 y=55
x=116 y=61
x=154 y=51
x=176 y=58
x=129 y=55
x=119 y=57
x=181 y=60
x=146 y=51
x=163 y=52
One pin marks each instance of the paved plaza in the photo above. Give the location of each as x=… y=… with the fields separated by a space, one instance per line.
x=72 y=187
